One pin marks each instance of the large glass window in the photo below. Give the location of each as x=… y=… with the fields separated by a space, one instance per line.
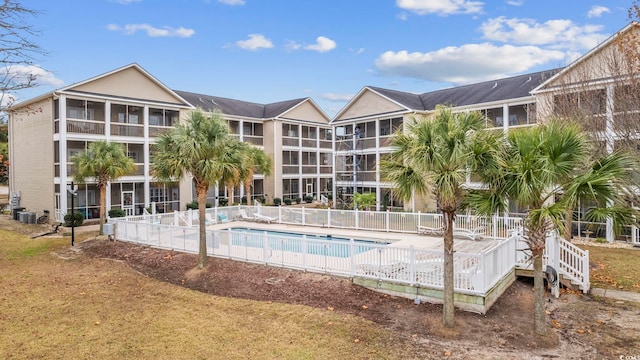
x=163 y=117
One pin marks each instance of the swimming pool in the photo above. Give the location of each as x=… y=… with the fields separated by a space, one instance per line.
x=327 y=245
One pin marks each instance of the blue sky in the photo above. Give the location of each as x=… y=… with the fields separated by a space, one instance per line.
x=268 y=51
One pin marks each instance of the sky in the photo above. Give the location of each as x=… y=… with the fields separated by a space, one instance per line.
x=268 y=51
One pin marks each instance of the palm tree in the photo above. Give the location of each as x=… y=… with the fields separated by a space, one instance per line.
x=104 y=162
x=197 y=148
x=547 y=169
x=256 y=160
x=436 y=155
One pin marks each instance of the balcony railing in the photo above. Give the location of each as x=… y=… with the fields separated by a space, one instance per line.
x=157 y=131
x=255 y=140
x=127 y=130
x=85 y=127
x=309 y=142
x=287 y=141
x=309 y=169
x=290 y=169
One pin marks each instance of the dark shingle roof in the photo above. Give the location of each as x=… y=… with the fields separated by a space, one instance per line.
x=238 y=107
x=484 y=92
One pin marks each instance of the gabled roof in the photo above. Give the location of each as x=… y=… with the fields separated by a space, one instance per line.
x=72 y=87
x=233 y=107
x=584 y=57
x=485 y=92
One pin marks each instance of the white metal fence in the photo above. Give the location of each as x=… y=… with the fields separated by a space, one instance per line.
x=474 y=273
x=497 y=227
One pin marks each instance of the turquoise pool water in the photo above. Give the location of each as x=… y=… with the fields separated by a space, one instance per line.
x=327 y=245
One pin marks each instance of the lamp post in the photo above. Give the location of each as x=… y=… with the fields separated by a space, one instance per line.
x=73 y=190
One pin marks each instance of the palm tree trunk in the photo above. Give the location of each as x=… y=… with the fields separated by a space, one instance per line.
x=539 y=316
x=201 y=191
x=247 y=192
x=103 y=206
x=448 y=308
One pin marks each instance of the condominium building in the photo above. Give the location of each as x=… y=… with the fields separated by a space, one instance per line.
x=312 y=154
x=363 y=127
x=129 y=106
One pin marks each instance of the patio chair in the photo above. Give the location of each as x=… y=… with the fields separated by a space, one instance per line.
x=242 y=215
x=222 y=218
x=427 y=230
x=470 y=234
x=265 y=218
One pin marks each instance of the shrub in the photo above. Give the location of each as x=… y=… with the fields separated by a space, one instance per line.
x=308 y=199
x=223 y=202
x=115 y=213
x=277 y=201
x=287 y=201
x=298 y=200
x=601 y=240
x=194 y=205
x=78 y=219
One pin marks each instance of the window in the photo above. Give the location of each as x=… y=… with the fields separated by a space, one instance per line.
x=290 y=157
x=290 y=130
x=126 y=114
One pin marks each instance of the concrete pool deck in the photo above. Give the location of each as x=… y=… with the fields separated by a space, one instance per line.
x=396 y=239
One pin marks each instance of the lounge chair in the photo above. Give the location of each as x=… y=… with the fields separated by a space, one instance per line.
x=426 y=230
x=265 y=218
x=242 y=215
x=470 y=234
x=222 y=218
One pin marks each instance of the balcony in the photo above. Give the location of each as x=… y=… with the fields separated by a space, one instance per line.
x=85 y=127
x=290 y=169
x=309 y=143
x=254 y=140
x=309 y=169
x=157 y=131
x=127 y=130
x=288 y=141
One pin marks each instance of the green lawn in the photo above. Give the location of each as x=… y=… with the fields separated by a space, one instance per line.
x=614 y=268
x=84 y=308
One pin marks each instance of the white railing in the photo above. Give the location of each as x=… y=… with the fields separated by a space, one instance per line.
x=324 y=200
x=497 y=227
x=474 y=273
x=567 y=259
x=635 y=236
x=570 y=260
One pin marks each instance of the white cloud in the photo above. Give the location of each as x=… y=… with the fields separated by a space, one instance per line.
x=323 y=44
x=337 y=97
x=255 y=42
x=232 y=2
x=515 y=2
x=597 y=11
x=292 y=45
x=557 y=34
x=441 y=7
x=467 y=63
x=23 y=72
x=130 y=29
x=357 y=51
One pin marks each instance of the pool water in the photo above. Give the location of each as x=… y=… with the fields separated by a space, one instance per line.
x=326 y=245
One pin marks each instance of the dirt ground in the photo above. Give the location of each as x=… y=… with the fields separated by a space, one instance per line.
x=581 y=327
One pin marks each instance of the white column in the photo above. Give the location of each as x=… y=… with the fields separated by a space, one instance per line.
x=609 y=138
x=62 y=129
x=378 y=192
x=146 y=158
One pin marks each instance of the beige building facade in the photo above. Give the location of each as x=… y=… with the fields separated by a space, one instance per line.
x=131 y=107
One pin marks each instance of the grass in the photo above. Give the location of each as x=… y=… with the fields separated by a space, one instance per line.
x=614 y=268
x=92 y=308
